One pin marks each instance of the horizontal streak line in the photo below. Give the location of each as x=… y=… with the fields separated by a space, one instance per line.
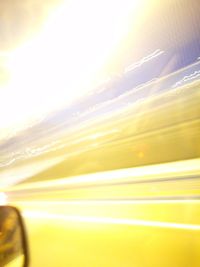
x=108 y=220
x=115 y=201
x=67 y=187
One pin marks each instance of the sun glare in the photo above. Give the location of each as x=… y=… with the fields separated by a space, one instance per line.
x=66 y=59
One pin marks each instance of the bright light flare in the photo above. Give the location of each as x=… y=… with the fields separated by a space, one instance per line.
x=67 y=58
x=3 y=198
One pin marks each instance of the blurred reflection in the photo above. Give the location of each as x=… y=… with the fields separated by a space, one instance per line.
x=11 y=245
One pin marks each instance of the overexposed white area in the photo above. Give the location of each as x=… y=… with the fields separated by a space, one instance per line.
x=64 y=60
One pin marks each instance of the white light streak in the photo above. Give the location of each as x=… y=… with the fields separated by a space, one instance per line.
x=139 y=63
x=193 y=76
x=67 y=203
x=108 y=220
x=144 y=173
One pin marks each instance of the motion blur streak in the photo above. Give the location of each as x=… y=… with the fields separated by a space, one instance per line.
x=161 y=171
x=160 y=128
x=46 y=216
x=106 y=202
x=115 y=218
x=16 y=175
x=109 y=172
x=156 y=53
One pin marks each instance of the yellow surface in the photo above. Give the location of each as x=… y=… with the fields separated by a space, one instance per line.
x=97 y=220
x=57 y=242
x=17 y=262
